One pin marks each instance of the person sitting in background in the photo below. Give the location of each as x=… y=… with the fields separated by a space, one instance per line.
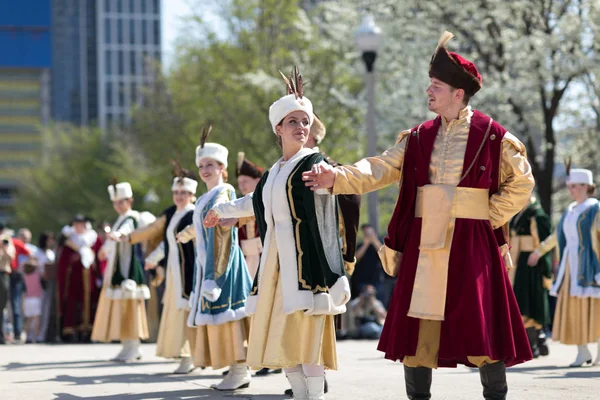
x=369 y=314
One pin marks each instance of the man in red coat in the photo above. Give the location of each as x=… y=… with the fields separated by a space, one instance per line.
x=462 y=177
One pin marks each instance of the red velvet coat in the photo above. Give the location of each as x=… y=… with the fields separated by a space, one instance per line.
x=481 y=315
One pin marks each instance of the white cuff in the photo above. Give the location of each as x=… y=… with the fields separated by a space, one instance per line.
x=210 y=290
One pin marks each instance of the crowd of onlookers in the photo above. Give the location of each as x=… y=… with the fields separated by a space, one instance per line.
x=28 y=288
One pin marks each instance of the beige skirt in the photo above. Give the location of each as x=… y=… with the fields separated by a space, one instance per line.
x=119 y=320
x=175 y=338
x=279 y=340
x=577 y=320
x=219 y=346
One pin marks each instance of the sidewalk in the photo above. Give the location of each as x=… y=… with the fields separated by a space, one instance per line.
x=76 y=372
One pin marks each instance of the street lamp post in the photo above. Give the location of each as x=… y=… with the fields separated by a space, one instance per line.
x=368 y=39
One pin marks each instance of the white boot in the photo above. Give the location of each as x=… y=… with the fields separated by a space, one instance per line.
x=597 y=360
x=185 y=366
x=133 y=352
x=583 y=356
x=123 y=352
x=316 y=387
x=238 y=378
x=298 y=383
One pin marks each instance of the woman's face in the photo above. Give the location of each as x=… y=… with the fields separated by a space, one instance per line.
x=578 y=191
x=209 y=170
x=294 y=129
x=181 y=198
x=122 y=206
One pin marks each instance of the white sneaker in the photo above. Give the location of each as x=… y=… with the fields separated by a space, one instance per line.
x=583 y=356
x=185 y=367
x=238 y=378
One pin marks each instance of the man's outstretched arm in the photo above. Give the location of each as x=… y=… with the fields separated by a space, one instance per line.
x=367 y=175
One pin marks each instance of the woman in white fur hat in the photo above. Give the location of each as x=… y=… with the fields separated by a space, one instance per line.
x=175 y=338
x=577 y=284
x=300 y=283
x=221 y=279
x=121 y=313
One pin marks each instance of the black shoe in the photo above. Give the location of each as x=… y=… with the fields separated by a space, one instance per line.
x=262 y=372
x=289 y=392
x=224 y=372
x=493 y=380
x=532 y=336
x=542 y=345
x=418 y=382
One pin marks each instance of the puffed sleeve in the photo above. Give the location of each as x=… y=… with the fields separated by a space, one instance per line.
x=372 y=173
x=516 y=182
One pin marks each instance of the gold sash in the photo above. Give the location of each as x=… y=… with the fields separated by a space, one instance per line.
x=439 y=206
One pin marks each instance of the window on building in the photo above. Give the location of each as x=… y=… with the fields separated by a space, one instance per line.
x=107 y=5
x=132 y=31
x=134 y=93
x=156 y=32
x=121 y=94
x=145 y=62
x=156 y=4
x=132 y=62
x=119 y=6
x=108 y=62
x=109 y=94
x=121 y=63
x=107 y=30
x=144 y=32
x=144 y=6
x=120 y=31
x=132 y=6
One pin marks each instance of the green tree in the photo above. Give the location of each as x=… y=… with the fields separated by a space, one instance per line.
x=72 y=177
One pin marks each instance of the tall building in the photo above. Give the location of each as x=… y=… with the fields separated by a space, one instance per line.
x=25 y=60
x=103 y=51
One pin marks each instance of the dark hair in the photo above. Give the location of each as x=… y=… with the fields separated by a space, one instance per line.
x=44 y=238
x=365 y=226
x=466 y=97
x=591 y=190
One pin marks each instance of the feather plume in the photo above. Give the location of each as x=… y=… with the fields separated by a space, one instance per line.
x=567 y=162
x=294 y=83
x=446 y=36
x=204 y=134
x=288 y=85
x=113 y=182
x=179 y=171
x=240 y=159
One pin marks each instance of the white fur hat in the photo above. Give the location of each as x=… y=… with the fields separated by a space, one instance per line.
x=578 y=175
x=120 y=191
x=288 y=104
x=185 y=183
x=212 y=150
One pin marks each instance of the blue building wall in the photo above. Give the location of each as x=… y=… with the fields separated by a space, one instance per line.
x=25 y=37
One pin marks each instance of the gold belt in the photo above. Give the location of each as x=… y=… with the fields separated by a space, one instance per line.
x=468 y=203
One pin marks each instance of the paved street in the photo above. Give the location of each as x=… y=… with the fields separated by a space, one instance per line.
x=74 y=372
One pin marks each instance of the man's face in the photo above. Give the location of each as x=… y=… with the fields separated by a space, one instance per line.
x=441 y=96
x=79 y=227
x=247 y=184
x=122 y=206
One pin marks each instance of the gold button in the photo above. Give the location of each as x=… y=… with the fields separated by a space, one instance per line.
x=493 y=137
x=414 y=133
x=482 y=168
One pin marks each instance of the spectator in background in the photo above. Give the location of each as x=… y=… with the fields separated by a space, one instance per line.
x=7 y=253
x=17 y=283
x=46 y=260
x=369 y=314
x=368 y=270
x=32 y=305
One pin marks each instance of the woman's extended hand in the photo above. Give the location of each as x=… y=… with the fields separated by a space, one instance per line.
x=321 y=176
x=212 y=219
